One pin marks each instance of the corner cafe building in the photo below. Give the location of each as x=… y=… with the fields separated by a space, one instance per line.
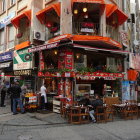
x=69 y=65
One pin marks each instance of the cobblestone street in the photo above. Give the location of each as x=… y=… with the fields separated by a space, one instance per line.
x=37 y=126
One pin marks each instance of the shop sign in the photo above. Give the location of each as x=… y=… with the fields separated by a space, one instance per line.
x=56 y=74
x=33 y=99
x=92 y=76
x=124 y=38
x=42 y=64
x=7 y=56
x=22 y=72
x=87 y=27
x=43 y=47
x=6 y=20
x=22 y=59
x=5 y=65
x=87 y=30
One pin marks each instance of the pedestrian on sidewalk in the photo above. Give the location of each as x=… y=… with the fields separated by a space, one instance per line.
x=16 y=91
x=9 y=92
x=3 y=94
x=23 y=92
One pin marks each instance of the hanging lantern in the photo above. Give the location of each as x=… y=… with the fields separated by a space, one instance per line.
x=84 y=9
x=55 y=52
x=75 y=11
x=49 y=24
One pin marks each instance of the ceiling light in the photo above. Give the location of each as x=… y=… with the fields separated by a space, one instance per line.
x=84 y=9
x=75 y=11
x=86 y=16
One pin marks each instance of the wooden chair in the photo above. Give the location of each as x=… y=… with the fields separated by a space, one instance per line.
x=74 y=115
x=100 y=114
x=84 y=113
x=109 y=113
x=64 y=110
x=135 y=111
x=130 y=112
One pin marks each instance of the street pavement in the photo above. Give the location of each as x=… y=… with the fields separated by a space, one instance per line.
x=50 y=126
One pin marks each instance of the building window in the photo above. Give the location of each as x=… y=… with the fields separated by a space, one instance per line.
x=3 y=5
x=11 y=37
x=12 y=2
x=2 y=40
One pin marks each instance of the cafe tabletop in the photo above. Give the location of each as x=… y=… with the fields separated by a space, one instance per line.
x=119 y=105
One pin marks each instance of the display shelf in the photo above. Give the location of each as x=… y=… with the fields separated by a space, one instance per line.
x=56 y=104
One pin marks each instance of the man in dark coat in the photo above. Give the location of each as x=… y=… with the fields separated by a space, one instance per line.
x=16 y=91
x=3 y=94
x=97 y=102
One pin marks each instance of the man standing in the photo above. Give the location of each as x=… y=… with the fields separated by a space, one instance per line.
x=95 y=103
x=16 y=91
x=43 y=91
x=3 y=94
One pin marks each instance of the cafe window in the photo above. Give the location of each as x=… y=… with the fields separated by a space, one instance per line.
x=86 y=19
x=12 y=2
x=53 y=24
x=2 y=40
x=11 y=36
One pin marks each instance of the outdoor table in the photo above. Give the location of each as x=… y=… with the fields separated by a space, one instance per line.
x=127 y=111
x=119 y=108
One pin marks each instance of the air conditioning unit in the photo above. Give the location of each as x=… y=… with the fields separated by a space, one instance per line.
x=37 y=35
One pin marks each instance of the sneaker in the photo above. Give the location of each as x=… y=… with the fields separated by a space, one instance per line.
x=15 y=113
x=23 y=112
x=94 y=121
x=3 y=105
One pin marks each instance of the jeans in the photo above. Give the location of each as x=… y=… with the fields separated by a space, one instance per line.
x=42 y=102
x=15 y=101
x=2 y=99
x=91 y=113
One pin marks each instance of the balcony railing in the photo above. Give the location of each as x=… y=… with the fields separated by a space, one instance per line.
x=113 y=33
x=25 y=36
x=86 y=28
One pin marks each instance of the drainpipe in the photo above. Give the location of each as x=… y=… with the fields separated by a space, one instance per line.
x=103 y=23
x=125 y=29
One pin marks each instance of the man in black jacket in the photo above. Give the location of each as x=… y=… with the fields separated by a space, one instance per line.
x=97 y=102
x=16 y=91
x=3 y=94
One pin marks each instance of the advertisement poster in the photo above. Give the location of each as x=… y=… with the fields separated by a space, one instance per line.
x=125 y=90
x=65 y=60
x=132 y=90
x=22 y=59
x=69 y=60
x=42 y=64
